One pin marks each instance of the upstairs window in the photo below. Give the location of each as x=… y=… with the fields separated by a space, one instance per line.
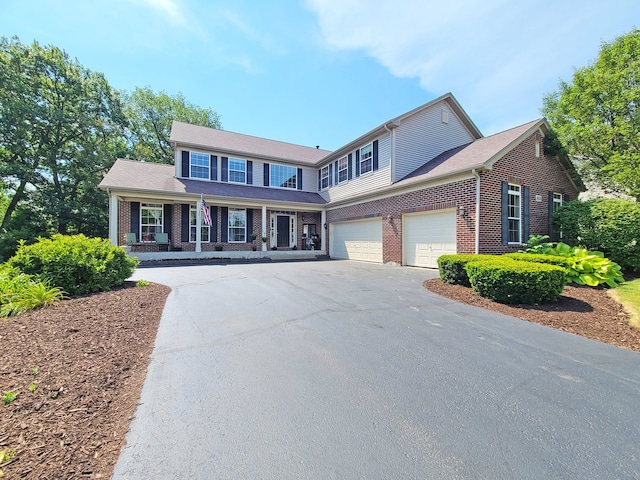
x=343 y=170
x=366 y=159
x=198 y=165
x=324 y=177
x=515 y=214
x=283 y=176
x=151 y=221
x=237 y=170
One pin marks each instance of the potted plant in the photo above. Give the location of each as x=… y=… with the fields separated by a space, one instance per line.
x=218 y=247
x=254 y=236
x=264 y=239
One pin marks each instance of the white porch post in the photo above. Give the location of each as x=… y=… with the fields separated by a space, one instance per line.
x=323 y=235
x=199 y=225
x=264 y=227
x=113 y=219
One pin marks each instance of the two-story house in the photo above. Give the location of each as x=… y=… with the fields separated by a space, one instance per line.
x=418 y=186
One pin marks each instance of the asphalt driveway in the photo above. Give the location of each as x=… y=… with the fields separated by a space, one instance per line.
x=340 y=369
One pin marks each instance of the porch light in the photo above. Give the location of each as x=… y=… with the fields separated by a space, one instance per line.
x=461 y=210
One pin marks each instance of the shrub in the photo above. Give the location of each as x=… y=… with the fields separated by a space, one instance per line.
x=538 y=258
x=585 y=267
x=452 y=270
x=77 y=264
x=510 y=281
x=19 y=292
x=608 y=225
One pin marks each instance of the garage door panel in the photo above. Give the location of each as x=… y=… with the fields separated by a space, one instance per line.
x=360 y=240
x=428 y=236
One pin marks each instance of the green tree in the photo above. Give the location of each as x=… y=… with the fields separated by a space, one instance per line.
x=61 y=128
x=596 y=116
x=150 y=115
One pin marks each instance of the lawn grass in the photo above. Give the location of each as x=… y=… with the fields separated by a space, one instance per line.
x=628 y=294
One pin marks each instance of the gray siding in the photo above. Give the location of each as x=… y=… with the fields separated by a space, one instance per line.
x=424 y=136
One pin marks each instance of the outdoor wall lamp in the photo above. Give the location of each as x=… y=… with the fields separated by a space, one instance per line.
x=325 y=226
x=461 y=211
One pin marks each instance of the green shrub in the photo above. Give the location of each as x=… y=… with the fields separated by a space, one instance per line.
x=77 y=264
x=585 y=267
x=607 y=225
x=538 y=258
x=510 y=281
x=452 y=270
x=19 y=292
x=537 y=244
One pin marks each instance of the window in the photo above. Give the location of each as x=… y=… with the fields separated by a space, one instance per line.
x=150 y=221
x=537 y=149
x=557 y=201
x=324 y=177
x=283 y=176
x=198 y=165
x=343 y=170
x=366 y=159
x=237 y=225
x=514 y=214
x=237 y=170
x=193 y=225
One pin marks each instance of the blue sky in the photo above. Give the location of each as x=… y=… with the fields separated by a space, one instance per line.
x=323 y=72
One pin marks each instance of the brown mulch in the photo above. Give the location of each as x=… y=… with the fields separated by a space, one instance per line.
x=91 y=354
x=585 y=311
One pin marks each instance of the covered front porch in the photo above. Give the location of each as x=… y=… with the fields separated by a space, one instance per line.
x=275 y=255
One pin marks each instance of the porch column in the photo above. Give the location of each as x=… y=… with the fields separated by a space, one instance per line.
x=113 y=218
x=264 y=227
x=323 y=235
x=199 y=224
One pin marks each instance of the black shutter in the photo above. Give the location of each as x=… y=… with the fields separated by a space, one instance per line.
x=550 y=213
x=248 y=238
x=224 y=227
x=320 y=179
x=168 y=216
x=249 y=172
x=375 y=155
x=185 y=164
x=266 y=175
x=335 y=169
x=214 y=168
x=135 y=219
x=225 y=169
x=299 y=179
x=184 y=223
x=504 y=199
x=213 y=234
x=330 y=174
x=358 y=163
x=525 y=213
x=350 y=166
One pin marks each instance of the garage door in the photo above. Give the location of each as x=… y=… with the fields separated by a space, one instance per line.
x=426 y=236
x=361 y=240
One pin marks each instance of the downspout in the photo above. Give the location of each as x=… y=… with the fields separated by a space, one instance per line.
x=477 y=176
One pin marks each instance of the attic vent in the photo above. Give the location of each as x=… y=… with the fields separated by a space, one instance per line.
x=537 y=149
x=445 y=115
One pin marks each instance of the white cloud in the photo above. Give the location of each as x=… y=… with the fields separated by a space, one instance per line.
x=171 y=8
x=489 y=53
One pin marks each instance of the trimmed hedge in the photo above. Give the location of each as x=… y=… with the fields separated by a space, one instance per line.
x=452 y=270
x=77 y=264
x=538 y=258
x=509 y=281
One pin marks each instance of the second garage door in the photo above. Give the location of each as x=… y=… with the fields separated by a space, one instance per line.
x=426 y=236
x=361 y=240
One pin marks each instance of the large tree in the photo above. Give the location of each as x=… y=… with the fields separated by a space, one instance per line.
x=596 y=116
x=61 y=127
x=150 y=115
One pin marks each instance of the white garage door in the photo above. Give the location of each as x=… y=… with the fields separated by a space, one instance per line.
x=426 y=236
x=361 y=240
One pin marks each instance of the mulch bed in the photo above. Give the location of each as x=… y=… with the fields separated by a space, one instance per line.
x=585 y=311
x=91 y=355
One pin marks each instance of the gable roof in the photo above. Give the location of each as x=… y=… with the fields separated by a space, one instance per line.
x=140 y=177
x=243 y=145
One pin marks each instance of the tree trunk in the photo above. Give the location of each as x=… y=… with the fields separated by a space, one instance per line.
x=14 y=203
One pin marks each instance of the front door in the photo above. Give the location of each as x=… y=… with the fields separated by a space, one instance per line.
x=282 y=237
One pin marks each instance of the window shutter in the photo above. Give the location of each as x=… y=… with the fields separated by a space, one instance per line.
x=526 y=210
x=350 y=166
x=214 y=168
x=299 y=179
x=184 y=223
x=168 y=216
x=266 y=175
x=550 y=215
x=248 y=238
x=224 y=227
x=225 y=169
x=330 y=174
x=320 y=179
x=135 y=219
x=505 y=212
x=357 y=163
x=185 y=164
x=249 y=172
x=335 y=169
x=565 y=198
x=213 y=234
x=375 y=155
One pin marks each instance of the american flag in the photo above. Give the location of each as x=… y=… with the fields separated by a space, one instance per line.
x=205 y=213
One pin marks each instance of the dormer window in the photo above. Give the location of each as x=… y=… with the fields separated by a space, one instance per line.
x=366 y=159
x=198 y=165
x=237 y=170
